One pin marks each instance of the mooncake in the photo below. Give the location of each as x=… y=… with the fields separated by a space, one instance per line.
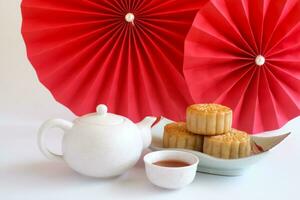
x=177 y=136
x=208 y=119
x=231 y=145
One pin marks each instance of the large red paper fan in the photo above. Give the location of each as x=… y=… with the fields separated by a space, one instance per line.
x=127 y=54
x=246 y=54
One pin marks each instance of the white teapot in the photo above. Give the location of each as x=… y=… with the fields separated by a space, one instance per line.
x=99 y=144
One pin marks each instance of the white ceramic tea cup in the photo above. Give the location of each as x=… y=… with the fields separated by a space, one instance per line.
x=171 y=177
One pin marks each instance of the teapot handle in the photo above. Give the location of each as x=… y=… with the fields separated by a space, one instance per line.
x=52 y=123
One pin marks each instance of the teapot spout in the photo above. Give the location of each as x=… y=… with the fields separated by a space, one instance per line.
x=145 y=130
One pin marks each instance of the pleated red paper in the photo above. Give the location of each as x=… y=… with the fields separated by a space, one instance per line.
x=86 y=53
x=246 y=54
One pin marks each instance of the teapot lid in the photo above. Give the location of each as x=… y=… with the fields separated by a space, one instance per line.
x=101 y=117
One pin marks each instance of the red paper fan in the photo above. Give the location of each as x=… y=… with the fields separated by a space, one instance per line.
x=246 y=54
x=127 y=54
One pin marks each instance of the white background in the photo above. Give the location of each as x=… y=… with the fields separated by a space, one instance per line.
x=26 y=174
x=22 y=97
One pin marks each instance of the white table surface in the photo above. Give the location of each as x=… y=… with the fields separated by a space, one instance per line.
x=26 y=174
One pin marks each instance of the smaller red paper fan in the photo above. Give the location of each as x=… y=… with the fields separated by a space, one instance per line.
x=246 y=54
x=127 y=54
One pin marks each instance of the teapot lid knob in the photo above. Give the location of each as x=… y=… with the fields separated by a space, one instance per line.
x=101 y=109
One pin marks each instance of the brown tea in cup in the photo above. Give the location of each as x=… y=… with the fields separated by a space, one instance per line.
x=171 y=163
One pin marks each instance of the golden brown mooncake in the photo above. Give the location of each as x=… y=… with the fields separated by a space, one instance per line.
x=177 y=136
x=208 y=119
x=233 y=144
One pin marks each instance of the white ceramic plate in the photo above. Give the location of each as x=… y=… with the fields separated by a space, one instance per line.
x=212 y=165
